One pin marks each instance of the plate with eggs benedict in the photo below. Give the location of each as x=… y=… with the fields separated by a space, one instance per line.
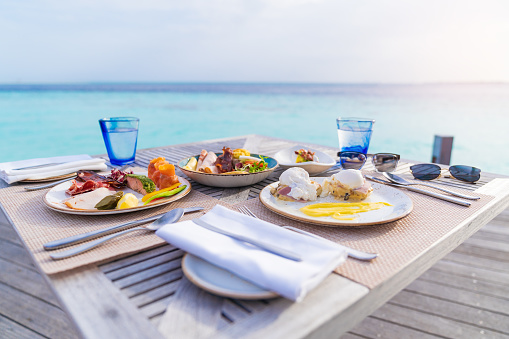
x=345 y=199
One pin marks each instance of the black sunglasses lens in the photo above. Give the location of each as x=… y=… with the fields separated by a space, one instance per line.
x=352 y=160
x=385 y=162
x=425 y=171
x=465 y=173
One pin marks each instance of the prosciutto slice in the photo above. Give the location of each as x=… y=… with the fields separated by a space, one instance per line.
x=87 y=186
x=87 y=181
x=209 y=164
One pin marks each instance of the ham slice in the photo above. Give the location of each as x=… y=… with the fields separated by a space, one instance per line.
x=202 y=156
x=209 y=164
x=87 y=201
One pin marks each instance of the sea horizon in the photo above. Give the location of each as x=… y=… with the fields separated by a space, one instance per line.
x=49 y=119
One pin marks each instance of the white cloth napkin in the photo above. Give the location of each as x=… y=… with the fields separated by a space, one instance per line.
x=15 y=171
x=290 y=279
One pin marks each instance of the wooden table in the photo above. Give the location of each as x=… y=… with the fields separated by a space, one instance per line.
x=146 y=296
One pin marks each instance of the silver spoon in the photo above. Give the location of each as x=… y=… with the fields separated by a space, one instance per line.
x=169 y=218
x=75 y=239
x=399 y=180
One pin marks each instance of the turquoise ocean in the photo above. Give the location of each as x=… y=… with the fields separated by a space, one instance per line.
x=52 y=120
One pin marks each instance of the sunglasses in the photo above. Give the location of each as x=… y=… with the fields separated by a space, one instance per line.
x=432 y=171
x=383 y=162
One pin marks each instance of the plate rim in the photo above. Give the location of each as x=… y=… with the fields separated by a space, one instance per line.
x=114 y=211
x=217 y=290
x=337 y=223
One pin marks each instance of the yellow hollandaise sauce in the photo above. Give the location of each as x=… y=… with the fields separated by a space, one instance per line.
x=341 y=211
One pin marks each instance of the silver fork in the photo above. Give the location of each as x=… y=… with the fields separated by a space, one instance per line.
x=353 y=253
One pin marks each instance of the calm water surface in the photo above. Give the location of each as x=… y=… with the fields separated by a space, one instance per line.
x=50 y=120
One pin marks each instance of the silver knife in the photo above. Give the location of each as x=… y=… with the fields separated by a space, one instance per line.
x=418 y=190
x=53 y=245
x=259 y=243
x=38 y=166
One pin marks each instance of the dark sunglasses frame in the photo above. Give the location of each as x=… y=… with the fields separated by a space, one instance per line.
x=377 y=163
x=431 y=171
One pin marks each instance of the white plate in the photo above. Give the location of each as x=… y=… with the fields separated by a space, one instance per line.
x=54 y=200
x=229 y=180
x=287 y=158
x=401 y=206
x=221 y=282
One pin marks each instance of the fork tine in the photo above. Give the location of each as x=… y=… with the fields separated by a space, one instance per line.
x=250 y=213
x=246 y=211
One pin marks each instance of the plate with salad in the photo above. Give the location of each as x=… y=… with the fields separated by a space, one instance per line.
x=229 y=168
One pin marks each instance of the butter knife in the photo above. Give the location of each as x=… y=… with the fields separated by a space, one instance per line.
x=53 y=245
x=418 y=190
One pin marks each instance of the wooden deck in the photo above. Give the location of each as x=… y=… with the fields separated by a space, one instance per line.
x=465 y=295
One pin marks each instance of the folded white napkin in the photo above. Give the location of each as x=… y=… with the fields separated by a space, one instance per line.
x=15 y=171
x=290 y=279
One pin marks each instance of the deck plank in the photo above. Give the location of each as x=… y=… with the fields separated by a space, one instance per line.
x=376 y=328
x=43 y=318
x=467 y=283
x=12 y=330
x=431 y=323
x=453 y=310
x=26 y=280
x=17 y=254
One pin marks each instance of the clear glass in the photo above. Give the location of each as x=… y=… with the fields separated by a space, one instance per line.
x=120 y=137
x=354 y=134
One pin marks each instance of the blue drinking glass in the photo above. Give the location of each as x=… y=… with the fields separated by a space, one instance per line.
x=120 y=137
x=354 y=134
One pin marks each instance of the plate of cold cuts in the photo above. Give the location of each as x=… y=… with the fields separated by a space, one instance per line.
x=94 y=194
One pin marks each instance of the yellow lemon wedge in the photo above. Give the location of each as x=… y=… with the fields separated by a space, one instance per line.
x=128 y=200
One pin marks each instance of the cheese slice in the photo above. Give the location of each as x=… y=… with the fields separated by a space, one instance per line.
x=87 y=201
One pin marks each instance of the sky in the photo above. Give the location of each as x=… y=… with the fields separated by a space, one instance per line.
x=329 y=41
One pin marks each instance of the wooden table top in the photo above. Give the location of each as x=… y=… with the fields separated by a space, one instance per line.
x=145 y=295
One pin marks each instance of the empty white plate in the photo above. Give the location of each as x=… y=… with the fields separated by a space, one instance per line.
x=221 y=282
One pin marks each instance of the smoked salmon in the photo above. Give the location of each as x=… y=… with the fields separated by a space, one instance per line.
x=152 y=167
x=167 y=176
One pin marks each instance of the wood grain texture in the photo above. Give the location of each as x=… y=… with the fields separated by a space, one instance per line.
x=193 y=313
x=12 y=330
x=28 y=311
x=98 y=308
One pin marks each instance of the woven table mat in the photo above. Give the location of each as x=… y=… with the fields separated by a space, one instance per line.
x=397 y=243
x=37 y=225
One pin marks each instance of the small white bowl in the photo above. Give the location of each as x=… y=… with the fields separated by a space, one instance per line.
x=229 y=180
x=287 y=157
